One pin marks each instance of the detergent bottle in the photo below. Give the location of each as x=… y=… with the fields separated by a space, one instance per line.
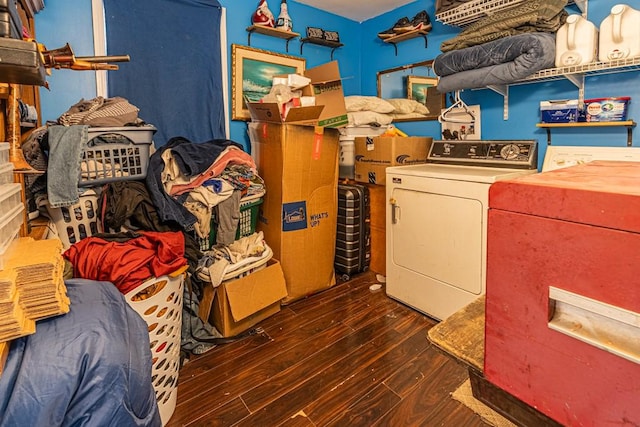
x=620 y=34
x=576 y=42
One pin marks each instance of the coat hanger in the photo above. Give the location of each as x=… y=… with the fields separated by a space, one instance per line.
x=458 y=104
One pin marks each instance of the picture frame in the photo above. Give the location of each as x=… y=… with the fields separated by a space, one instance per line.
x=424 y=90
x=397 y=82
x=252 y=72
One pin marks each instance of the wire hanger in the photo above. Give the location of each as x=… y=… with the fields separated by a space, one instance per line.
x=454 y=109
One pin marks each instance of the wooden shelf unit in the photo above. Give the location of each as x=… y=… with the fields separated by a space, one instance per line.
x=320 y=42
x=629 y=124
x=394 y=40
x=272 y=32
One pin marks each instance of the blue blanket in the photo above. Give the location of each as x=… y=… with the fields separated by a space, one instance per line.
x=501 y=61
x=89 y=367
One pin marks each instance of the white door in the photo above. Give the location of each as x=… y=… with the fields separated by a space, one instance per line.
x=439 y=236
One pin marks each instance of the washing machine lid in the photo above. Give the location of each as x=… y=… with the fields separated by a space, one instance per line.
x=558 y=156
x=601 y=193
x=456 y=173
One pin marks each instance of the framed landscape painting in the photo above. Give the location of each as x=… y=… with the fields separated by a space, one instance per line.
x=252 y=73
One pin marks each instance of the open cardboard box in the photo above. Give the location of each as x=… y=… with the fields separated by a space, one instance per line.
x=239 y=304
x=329 y=111
x=374 y=154
x=298 y=217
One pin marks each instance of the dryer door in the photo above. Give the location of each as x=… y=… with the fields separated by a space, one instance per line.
x=439 y=236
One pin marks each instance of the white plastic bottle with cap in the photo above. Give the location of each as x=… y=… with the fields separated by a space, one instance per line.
x=284 y=20
x=576 y=42
x=619 y=35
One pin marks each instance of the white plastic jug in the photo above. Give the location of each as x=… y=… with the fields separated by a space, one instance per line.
x=620 y=34
x=576 y=42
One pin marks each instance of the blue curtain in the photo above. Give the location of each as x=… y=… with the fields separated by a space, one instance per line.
x=174 y=75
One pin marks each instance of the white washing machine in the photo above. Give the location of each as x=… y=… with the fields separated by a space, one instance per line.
x=558 y=156
x=437 y=221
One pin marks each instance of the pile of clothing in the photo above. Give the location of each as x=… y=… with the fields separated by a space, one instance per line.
x=150 y=227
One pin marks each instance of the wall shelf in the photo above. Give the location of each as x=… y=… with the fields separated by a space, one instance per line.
x=407 y=36
x=576 y=74
x=471 y=11
x=321 y=42
x=629 y=124
x=273 y=32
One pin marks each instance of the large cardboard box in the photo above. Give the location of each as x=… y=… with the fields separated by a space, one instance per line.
x=378 y=263
x=239 y=304
x=298 y=216
x=329 y=111
x=374 y=154
x=378 y=226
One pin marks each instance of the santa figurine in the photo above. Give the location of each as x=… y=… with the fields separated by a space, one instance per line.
x=263 y=16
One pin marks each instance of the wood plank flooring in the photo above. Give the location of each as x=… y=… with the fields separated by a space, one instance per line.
x=347 y=356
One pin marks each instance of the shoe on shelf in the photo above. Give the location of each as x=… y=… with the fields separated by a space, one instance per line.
x=402 y=26
x=402 y=22
x=421 y=21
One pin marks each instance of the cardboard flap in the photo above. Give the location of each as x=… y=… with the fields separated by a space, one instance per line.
x=264 y=112
x=248 y=294
x=304 y=114
x=269 y=112
x=325 y=73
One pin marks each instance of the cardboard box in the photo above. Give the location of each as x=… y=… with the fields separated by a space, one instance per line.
x=241 y=303
x=329 y=111
x=378 y=226
x=298 y=216
x=378 y=263
x=378 y=204
x=374 y=154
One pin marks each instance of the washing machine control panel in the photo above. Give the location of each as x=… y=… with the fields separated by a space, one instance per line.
x=516 y=154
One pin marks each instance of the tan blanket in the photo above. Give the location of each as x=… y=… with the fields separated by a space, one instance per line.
x=531 y=16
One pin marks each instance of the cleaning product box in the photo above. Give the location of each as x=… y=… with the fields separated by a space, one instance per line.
x=239 y=304
x=374 y=154
x=606 y=109
x=298 y=216
x=559 y=111
x=325 y=87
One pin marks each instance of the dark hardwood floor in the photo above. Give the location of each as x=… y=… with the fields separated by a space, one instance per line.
x=347 y=356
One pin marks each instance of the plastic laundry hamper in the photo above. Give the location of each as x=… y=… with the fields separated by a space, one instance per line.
x=159 y=303
x=74 y=223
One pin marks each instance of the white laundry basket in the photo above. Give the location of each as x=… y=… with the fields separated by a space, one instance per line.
x=76 y=222
x=159 y=303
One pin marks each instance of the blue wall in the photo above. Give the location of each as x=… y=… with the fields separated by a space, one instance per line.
x=62 y=22
x=361 y=57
